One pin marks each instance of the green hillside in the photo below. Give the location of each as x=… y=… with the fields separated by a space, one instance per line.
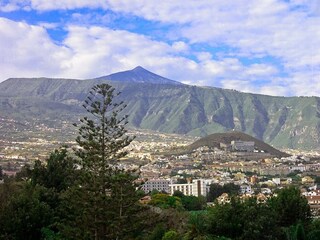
x=284 y=122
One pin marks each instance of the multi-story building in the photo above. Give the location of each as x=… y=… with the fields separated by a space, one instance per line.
x=198 y=187
x=245 y=146
x=161 y=185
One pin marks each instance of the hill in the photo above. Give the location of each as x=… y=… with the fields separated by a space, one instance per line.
x=214 y=140
x=166 y=106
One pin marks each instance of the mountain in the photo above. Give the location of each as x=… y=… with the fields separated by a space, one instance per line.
x=138 y=75
x=168 y=106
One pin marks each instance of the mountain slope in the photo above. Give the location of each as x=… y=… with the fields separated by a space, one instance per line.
x=174 y=108
x=138 y=75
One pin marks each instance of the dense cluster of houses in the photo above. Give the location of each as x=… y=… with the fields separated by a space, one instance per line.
x=200 y=187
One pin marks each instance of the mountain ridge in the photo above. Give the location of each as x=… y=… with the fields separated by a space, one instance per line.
x=284 y=122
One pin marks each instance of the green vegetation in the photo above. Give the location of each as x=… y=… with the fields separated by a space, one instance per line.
x=216 y=190
x=171 y=108
x=104 y=193
x=83 y=194
x=55 y=208
x=166 y=201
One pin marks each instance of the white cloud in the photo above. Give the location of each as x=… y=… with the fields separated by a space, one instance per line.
x=305 y=83
x=27 y=51
x=246 y=86
x=204 y=56
x=263 y=70
x=287 y=31
x=180 y=46
x=13 y=5
x=9 y=7
x=89 y=52
x=48 y=25
x=45 y=5
x=284 y=30
x=100 y=50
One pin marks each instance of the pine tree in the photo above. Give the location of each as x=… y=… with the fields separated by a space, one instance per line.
x=57 y=173
x=102 y=137
x=105 y=195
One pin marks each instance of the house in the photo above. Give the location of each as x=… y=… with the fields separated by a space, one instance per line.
x=225 y=147
x=253 y=179
x=277 y=181
x=223 y=198
x=261 y=198
x=313 y=200
x=145 y=200
x=246 y=189
x=266 y=190
x=239 y=176
x=307 y=180
x=314 y=203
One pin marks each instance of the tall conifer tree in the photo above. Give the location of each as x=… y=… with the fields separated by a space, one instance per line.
x=102 y=135
x=105 y=196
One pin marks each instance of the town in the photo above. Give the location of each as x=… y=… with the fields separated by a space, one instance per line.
x=164 y=167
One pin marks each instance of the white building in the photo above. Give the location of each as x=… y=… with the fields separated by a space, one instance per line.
x=198 y=187
x=276 y=181
x=266 y=190
x=246 y=146
x=161 y=185
x=301 y=168
x=246 y=189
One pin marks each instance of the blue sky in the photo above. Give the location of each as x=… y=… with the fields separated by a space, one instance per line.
x=267 y=46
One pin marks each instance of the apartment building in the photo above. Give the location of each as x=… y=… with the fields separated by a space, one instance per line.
x=198 y=187
x=161 y=185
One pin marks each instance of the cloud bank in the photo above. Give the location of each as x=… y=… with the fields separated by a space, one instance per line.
x=268 y=46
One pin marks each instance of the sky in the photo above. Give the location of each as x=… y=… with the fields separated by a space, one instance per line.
x=261 y=46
